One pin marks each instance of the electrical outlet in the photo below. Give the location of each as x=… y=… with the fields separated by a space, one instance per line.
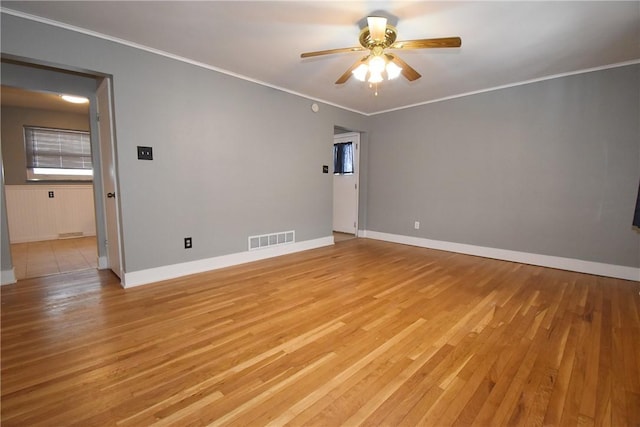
x=145 y=153
x=51 y=194
x=187 y=243
x=416 y=225
x=325 y=169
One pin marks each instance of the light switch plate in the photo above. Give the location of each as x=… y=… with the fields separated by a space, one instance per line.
x=145 y=153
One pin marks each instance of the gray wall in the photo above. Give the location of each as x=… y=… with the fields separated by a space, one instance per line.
x=13 y=120
x=223 y=169
x=548 y=168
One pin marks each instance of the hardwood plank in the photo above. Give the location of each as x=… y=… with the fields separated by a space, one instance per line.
x=360 y=333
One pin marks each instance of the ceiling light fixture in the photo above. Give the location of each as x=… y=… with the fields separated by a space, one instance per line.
x=377 y=38
x=75 y=99
x=374 y=69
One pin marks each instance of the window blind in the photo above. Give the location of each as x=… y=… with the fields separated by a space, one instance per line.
x=56 y=148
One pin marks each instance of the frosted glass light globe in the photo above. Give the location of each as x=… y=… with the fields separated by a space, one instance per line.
x=375 y=77
x=360 y=73
x=393 y=70
x=376 y=64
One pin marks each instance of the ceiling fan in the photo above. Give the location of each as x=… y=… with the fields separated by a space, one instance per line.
x=377 y=37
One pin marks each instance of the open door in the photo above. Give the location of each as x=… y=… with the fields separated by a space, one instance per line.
x=345 y=185
x=109 y=178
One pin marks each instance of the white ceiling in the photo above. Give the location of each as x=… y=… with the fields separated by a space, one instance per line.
x=503 y=43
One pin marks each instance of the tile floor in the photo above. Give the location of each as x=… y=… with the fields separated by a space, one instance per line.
x=36 y=259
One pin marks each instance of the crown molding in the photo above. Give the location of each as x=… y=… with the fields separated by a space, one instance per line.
x=134 y=45
x=282 y=89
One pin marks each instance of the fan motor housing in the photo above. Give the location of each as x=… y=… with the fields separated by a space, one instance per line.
x=367 y=42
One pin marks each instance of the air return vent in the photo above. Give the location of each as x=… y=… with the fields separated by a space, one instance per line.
x=71 y=235
x=273 y=239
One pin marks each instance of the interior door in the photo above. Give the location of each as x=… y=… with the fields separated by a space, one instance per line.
x=345 y=189
x=109 y=177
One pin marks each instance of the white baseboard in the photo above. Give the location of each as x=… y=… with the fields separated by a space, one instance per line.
x=8 y=277
x=151 y=275
x=103 y=263
x=571 y=264
x=45 y=238
x=42 y=238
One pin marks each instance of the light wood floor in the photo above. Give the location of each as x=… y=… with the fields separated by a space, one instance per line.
x=36 y=259
x=360 y=333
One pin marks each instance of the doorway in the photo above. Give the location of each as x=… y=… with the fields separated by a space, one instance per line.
x=51 y=219
x=346 y=173
x=55 y=81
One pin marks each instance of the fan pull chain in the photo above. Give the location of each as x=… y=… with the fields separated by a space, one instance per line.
x=374 y=86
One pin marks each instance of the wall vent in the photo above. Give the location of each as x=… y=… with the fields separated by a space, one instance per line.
x=71 y=235
x=273 y=239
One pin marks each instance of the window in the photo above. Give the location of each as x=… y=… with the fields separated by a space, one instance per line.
x=57 y=154
x=343 y=158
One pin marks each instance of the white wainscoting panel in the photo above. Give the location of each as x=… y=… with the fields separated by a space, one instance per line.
x=34 y=216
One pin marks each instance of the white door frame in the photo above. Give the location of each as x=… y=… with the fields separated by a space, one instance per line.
x=110 y=185
x=98 y=190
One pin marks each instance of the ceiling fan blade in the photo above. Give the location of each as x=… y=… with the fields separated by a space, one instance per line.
x=377 y=27
x=343 y=78
x=428 y=43
x=407 y=71
x=331 y=51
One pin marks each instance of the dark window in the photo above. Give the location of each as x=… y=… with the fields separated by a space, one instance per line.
x=343 y=158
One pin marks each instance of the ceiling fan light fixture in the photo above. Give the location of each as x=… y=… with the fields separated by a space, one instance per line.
x=393 y=71
x=378 y=65
x=360 y=73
